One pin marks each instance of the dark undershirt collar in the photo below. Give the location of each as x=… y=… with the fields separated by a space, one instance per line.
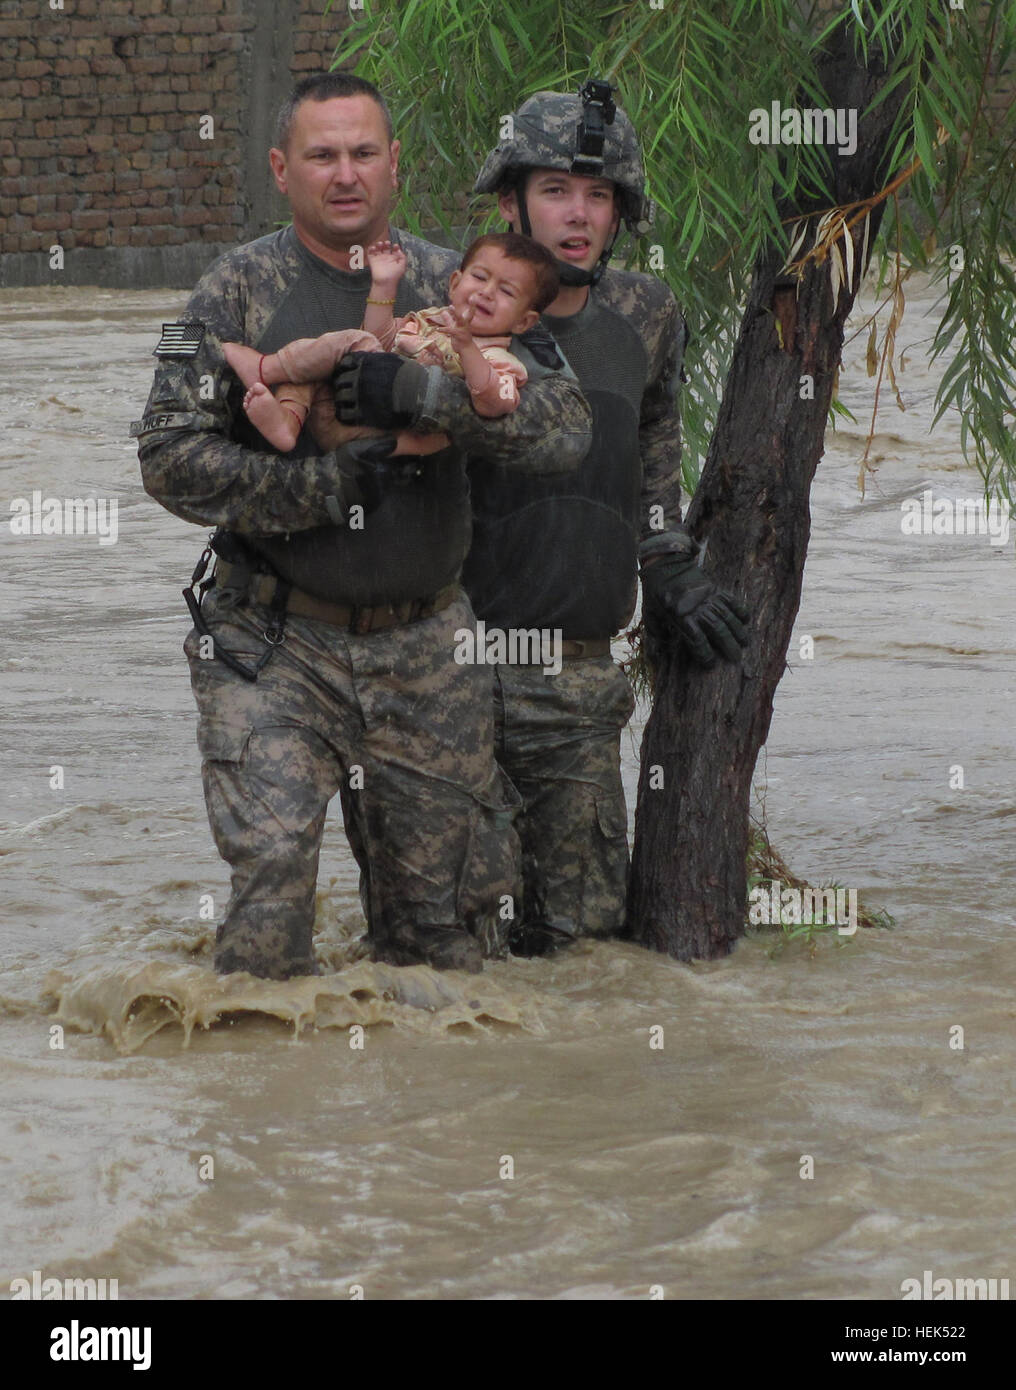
x=346 y=279
x=563 y=326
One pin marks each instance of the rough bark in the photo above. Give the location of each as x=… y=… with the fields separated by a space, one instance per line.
x=688 y=887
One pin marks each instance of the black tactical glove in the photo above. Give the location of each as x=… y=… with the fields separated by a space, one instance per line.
x=377 y=471
x=679 y=598
x=364 y=386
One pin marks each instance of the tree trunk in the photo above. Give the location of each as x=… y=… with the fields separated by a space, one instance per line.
x=688 y=892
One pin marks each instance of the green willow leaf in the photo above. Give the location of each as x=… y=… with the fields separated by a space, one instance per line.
x=498 y=44
x=689 y=74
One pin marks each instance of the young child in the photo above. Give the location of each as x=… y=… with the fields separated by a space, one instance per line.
x=504 y=283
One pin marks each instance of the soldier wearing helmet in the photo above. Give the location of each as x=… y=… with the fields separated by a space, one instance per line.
x=323 y=650
x=585 y=135
x=562 y=551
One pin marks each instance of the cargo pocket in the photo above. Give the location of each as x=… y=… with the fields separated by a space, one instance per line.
x=222 y=743
x=228 y=797
x=606 y=882
x=490 y=887
x=612 y=816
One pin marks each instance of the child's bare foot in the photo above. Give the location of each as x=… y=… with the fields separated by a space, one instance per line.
x=278 y=425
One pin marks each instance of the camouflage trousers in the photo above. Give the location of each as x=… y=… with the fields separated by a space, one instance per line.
x=391 y=715
x=558 y=738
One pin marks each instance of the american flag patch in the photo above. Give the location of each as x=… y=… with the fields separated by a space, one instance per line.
x=180 y=340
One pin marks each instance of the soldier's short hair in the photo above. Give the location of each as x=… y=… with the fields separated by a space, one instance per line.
x=522 y=248
x=323 y=86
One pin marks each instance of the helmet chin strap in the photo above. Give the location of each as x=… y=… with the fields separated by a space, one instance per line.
x=574 y=276
x=570 y=276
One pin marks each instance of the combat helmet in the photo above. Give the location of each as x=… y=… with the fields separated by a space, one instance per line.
x=586 y=134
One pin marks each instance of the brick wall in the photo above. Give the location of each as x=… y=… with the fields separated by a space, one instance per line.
x=101 y=148
x=134 y=133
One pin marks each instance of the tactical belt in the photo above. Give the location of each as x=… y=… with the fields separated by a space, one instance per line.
x=265 y=589
x=594 y=646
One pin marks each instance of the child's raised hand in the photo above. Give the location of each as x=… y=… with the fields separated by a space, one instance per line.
x=459 y=325
x=387 y=262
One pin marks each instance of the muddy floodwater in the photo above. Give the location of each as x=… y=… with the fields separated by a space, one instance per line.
x=513 y=1135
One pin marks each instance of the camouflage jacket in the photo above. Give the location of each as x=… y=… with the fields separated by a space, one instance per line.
x=626 y=347
x=204 y=462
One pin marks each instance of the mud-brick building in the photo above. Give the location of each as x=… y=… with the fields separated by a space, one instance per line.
x=134 y=133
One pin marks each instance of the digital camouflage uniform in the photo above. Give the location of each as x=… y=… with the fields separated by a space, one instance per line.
x=433 y=817
x=561 y=552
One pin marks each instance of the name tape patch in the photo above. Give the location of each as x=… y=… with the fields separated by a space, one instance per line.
x=180 y=340
x=173 y=420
